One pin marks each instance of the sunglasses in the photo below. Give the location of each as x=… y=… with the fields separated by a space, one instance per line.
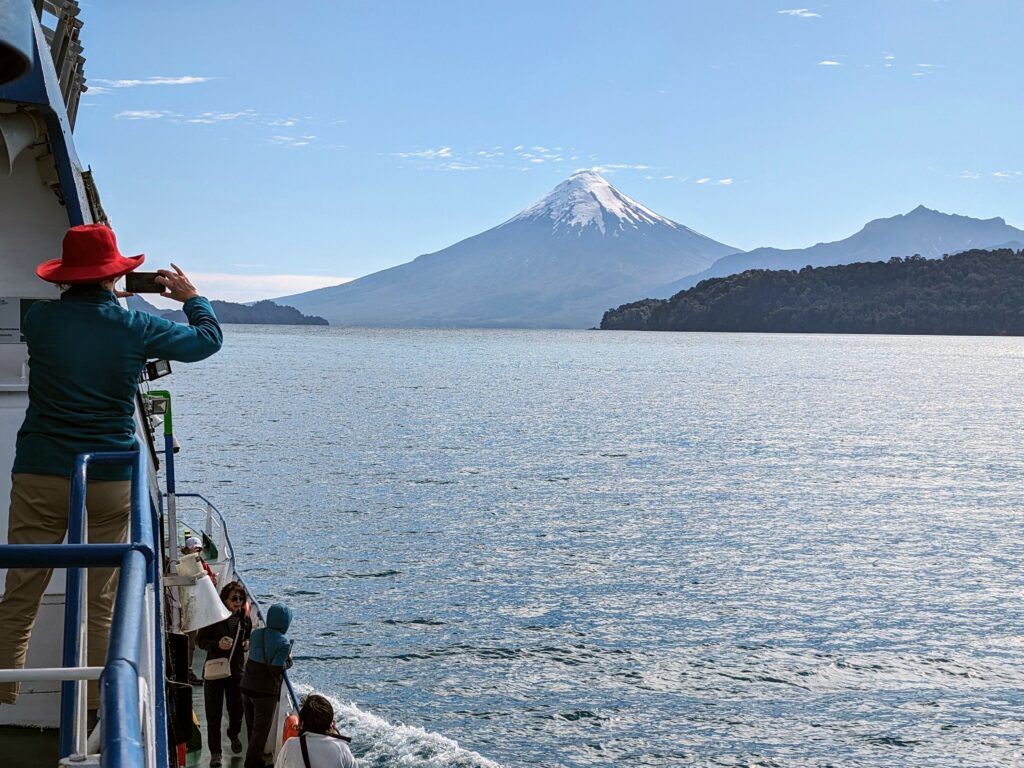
x=237 y=598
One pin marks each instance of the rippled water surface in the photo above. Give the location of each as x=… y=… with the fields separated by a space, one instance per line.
x=594 y=548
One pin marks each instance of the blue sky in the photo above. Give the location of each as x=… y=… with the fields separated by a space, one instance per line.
x=334 y=140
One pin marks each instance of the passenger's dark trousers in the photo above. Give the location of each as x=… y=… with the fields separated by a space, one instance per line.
x=259 y=716
x=216 y=693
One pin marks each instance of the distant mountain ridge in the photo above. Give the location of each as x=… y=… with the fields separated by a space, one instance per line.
x=558 y=264
x=922 y=231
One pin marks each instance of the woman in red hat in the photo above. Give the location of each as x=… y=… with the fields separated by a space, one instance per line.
x=86 y=353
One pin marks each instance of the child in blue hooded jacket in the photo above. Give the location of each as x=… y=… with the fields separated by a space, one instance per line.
x=269 y=657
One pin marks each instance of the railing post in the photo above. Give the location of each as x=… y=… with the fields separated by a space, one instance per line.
x=209 y=528
x=73 y=618
x=122 y=745
x=172 y=507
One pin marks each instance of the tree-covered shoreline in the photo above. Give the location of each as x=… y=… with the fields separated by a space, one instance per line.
x=263 y=312
x=971 y=293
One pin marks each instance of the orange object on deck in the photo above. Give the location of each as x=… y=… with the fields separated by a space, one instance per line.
x=291 y=727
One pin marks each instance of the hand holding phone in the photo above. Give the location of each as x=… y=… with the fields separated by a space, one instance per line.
x=176 y=283
x=142 y=282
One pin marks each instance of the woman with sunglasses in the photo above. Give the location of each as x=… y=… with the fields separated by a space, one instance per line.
x=227 y=639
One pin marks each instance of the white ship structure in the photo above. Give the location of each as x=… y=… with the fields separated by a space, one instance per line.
x=146 y=700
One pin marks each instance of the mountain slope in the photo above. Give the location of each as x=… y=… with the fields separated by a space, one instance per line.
x=558 y=264
x=922 y=231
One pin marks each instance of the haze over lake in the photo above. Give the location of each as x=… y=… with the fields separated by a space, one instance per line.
x=570 y=548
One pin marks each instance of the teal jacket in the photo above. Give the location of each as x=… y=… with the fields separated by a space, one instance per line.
x=268 y=644
x=85 y=353
x=269 y=655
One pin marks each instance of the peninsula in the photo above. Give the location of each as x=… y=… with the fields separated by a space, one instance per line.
x=971 y=293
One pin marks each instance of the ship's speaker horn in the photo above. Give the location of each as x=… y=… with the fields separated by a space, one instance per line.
x=15 y=39
x=17 y=131
x=201 y=606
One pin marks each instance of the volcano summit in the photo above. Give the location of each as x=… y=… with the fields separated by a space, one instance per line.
x=560 y=263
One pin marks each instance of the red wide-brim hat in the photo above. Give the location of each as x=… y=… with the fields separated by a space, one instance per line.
x=90 y=254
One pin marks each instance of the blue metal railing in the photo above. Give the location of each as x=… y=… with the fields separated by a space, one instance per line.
x=139 y=565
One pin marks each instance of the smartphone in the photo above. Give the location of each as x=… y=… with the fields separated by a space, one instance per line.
x=142 y=282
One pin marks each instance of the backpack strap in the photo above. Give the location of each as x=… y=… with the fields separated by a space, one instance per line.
x=305 y=750
x=238 y=632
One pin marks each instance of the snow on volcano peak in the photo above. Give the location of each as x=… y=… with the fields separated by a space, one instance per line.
x=584 y=199
x=559 y=264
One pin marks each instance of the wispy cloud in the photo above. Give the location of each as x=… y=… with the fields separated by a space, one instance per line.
x=250 y=117
x=293 y=141
x=447 y=158
x=611 y=168
x=183 y=80
x=724 y=182
x=537 y=154
x=703 y=180
x=519 y=157
x=803 y=13
x=210 y=118
x=829 y=63
x=999 y=175
x=426 y=154
x=143 y=114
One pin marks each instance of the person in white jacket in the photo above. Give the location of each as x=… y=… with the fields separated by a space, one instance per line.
x=318 y=744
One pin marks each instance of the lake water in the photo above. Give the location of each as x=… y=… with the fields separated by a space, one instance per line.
x=594 y=548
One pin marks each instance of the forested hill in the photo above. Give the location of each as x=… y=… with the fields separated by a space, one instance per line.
x=971 y=293
x=262 y=312
x=266 y=312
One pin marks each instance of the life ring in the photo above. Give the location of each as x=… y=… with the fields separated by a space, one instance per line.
x=291 y=727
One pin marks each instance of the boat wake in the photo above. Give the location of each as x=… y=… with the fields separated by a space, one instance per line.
x=380 y=744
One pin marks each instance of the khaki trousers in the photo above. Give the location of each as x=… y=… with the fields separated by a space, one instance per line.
x=39 y=515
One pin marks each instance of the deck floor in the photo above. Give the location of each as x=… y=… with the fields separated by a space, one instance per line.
x=201 y=758
x=29 y=747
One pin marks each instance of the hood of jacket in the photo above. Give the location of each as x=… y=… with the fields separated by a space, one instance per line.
x=279 y=617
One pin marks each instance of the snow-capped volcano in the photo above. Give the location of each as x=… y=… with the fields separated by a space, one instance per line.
x=560 y=263
x=585 y=199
